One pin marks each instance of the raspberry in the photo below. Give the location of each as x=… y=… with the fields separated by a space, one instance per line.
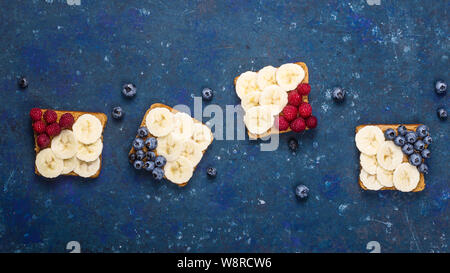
x=35 y=114
x=294 y=98
x=50 y=116
x=53 y=129
x=305 y=110
x=66 y=121
x=311 y=122
x=43 y=141
x=298 y=125
x=281 y=123
x=39 y=127
x=290 y=112
x=304 y=89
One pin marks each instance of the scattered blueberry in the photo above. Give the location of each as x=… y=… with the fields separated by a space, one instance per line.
x=142 y=132
x=160 y=161
x=212 y=172
x=132 y=157
x=402 y=130
x=427 y=140
x=149 y=166
x=419 y=145
x=422 y=130
x=151 y=143
x=138 y=164
x=389 y=134
x=117 y=112
x=207 y=93
x=423 y=168
x=140 y=154
x=150 y=156
x=301 y=191
x=293 y=144
x=442 y=113
x=338 y=94
x=158 y=173
x=399 y=141
x=23 y=82
x=408 y=149
x=138 y=143
x=440 y=87
x=129 y=90
x=415 y=159
x=426 y=153
x=411 y=137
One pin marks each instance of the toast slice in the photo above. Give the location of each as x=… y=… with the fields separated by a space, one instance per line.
x=384 y=127
x=274 y=130
x=156 y=105
x=76 y=114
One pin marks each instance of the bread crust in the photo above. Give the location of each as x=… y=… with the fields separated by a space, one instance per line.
x=384 y=127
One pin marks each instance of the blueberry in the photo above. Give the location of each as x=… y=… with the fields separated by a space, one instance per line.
x=301 y=191
x=399 y=141
x=440 y=87
x=389 y=134
x=140 y=154
x=419 y=145
x=150 y=156
x=411 y=137
x=415 y=159
x=408 y=149
x=138 y=164
x=138 y=143
x=293 y=144
x=149 y=166
x=129 y=90
x=422 y=130
x=442 y=113
x=151 y=143
x=132 y=157
x=423 y=168
x=427 y=140
x=426 y=153
x=158 y=173
x=117 y=112
x=142 y=132
x=211 y=172
x=402 y=130
x=160 y=161
x=207 y=93
x=23 y=82
x=338 y=94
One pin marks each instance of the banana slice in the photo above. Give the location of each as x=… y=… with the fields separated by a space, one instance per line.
x=183 y=127
x=246 y=84
x=289 y=76
x=86 y=169
x=48 y=164
x=87 y=129
x=170 y=147
x=259 y=119
x=406 y=177
x=275 y=97
x=89 y=152
x=69 y=165
x=251 y=100
x=202 y=135
x=389 y=155
x=160 y=121
x=179 y=171
x=64 y=145
x=368 y=139
x=192 y=152
x=385 y=177
x=266 y=77
x=369 y=181
x=368 y=163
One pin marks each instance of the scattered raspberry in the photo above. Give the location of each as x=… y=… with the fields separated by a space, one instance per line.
x=66 y=121
x=53 y=129
x=36 y=114
x=298 y=125
x=39 y=127
x=281 y=123
x=43 y=141
x=50 y=116
x=311 y=122
x=290 y=112
x=294 y=98
x=304 y=89
x=305 y=110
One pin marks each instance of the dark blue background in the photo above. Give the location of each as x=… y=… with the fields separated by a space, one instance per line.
x=77 y=57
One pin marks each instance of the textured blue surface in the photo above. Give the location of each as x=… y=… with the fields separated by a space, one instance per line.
x=77 y=57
